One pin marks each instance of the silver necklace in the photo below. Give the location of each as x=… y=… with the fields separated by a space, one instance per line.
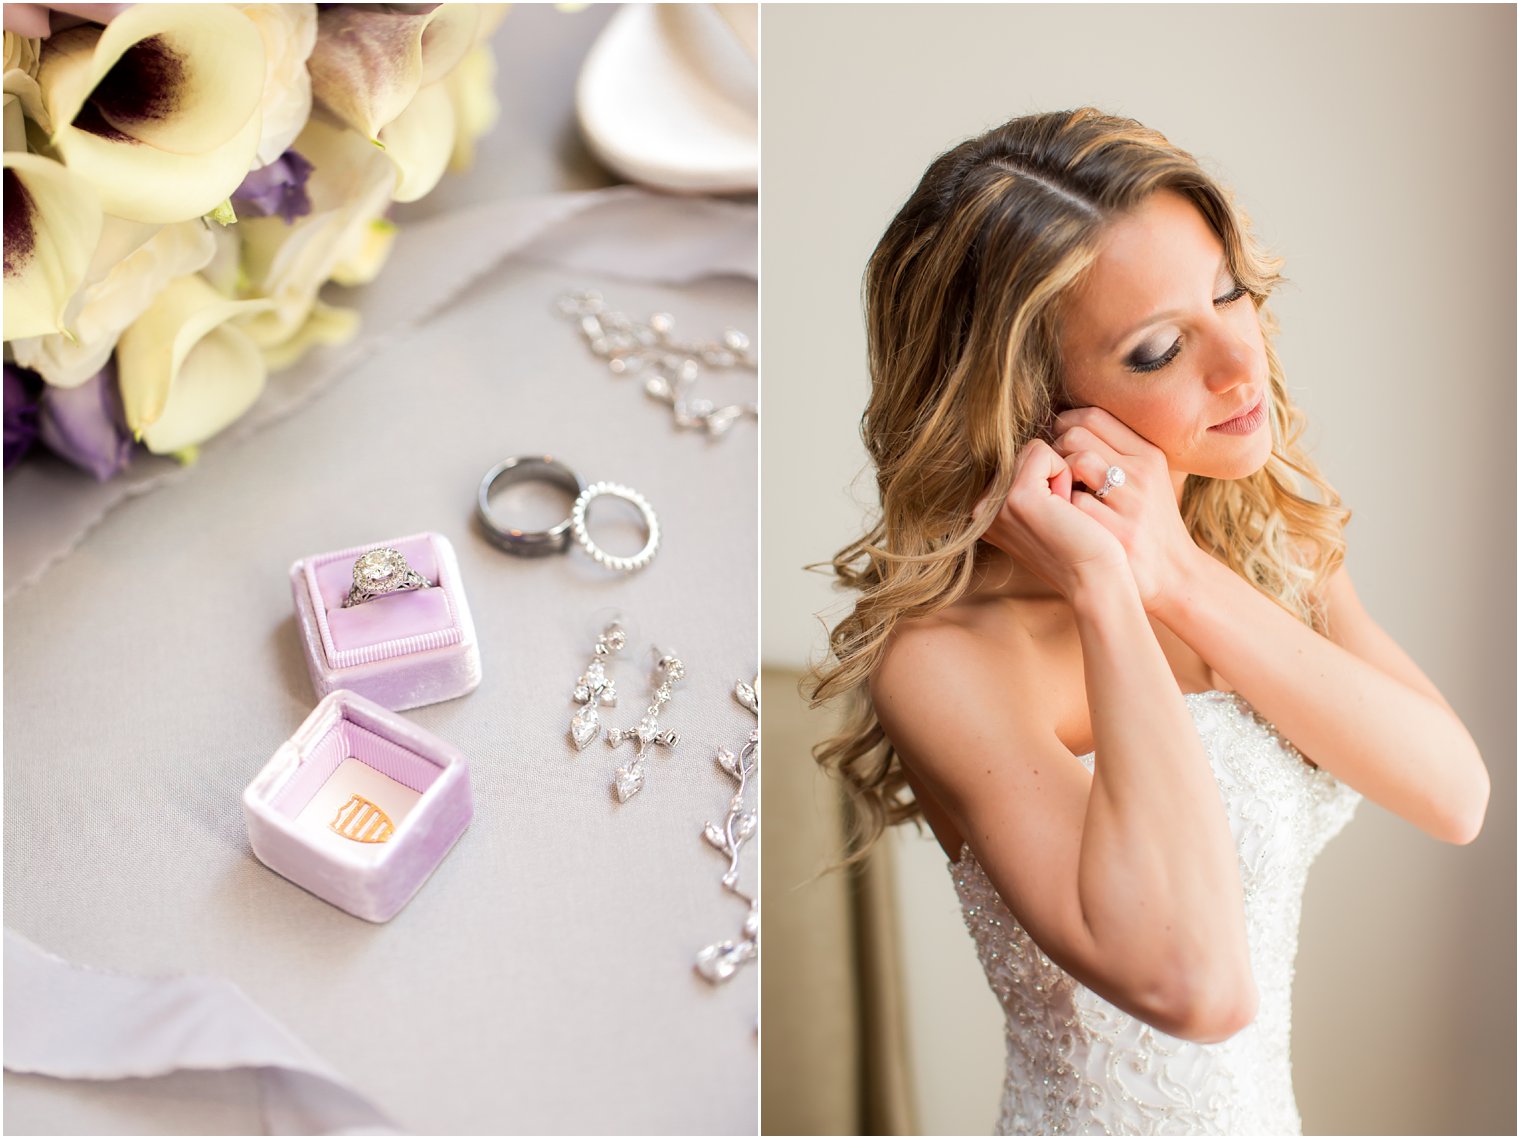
x=721 y=960
x=670 y=368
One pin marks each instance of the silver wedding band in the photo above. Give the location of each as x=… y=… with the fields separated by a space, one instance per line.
x=1113 y=478
x=527 y=468
x=651 y=524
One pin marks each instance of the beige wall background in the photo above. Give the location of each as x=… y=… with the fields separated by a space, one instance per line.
x=1374 y=147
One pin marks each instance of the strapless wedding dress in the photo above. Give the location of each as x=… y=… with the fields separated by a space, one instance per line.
x=1079 y=1066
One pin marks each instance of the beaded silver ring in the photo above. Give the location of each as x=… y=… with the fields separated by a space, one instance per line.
x=578 y=527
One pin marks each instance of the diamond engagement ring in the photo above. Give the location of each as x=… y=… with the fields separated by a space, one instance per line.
x=1113 y=478
x=380 y=572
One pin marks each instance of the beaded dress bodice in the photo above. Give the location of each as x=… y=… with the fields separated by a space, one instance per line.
x=1076 y=1063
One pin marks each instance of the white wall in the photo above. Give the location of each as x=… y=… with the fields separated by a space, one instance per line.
x=1374 y=146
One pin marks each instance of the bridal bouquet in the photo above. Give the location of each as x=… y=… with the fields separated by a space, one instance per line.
x=182 y=180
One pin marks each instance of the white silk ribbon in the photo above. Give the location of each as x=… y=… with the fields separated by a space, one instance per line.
x=71 y=1022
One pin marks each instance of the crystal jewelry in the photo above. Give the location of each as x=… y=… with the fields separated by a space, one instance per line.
x=627 y=780
x=671 y=369
x=526 y=468
x=721 y=960
x=1113 y=479
x=595 y=687
x=651 y=524
x=381 y=572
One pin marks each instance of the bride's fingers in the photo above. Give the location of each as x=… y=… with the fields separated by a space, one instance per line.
x=1075 y=439
x=1039 y=463
x=1061 y=484
x=1090 y=468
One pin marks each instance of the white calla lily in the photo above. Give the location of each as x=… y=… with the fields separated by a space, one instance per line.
x=160 y=109
x=370 y=62
x=52 y=223
x=186 y=370
x=133 y=263
x=350 y=188
x=289 y=32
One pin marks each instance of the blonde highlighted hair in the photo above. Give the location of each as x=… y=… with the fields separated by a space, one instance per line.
x=962 y=299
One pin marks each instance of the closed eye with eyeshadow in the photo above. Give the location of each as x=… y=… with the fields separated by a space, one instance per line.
x=1137 y=361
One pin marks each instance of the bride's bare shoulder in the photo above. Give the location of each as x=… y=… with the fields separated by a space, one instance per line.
x=971 y=647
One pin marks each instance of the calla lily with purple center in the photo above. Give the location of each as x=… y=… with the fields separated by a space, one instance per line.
x=276 y=190
x=85 y=425
x=159 y=111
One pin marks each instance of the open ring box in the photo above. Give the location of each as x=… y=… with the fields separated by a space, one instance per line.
x=359 y=806
x=401 y=650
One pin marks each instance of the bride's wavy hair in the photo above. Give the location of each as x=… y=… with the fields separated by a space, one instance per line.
x=963 y=301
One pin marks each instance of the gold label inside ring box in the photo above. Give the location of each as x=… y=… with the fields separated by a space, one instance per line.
x=362 y=821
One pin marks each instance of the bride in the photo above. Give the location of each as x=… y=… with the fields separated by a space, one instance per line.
x=1103 y=642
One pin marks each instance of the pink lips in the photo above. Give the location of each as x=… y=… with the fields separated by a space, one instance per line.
x=1245 y=423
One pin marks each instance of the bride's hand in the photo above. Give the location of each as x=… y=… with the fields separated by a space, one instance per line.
x=1040 y=526
x=1143 y=513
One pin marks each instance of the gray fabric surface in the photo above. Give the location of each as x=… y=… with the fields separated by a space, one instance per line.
x=541 y=981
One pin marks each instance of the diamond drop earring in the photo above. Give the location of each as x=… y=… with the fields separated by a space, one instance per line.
x=595 y=687
x=628 y=779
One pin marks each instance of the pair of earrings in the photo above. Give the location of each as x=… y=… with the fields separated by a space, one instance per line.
x=596 y=688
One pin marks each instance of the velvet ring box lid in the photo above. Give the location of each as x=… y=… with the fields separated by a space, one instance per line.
x=359 y=806
x=402 y=650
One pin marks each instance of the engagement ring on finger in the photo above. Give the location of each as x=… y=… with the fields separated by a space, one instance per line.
x=1113 y=478
x=380 y=572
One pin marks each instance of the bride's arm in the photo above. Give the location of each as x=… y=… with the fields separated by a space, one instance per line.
x=1353 y=702
x=1128 y=878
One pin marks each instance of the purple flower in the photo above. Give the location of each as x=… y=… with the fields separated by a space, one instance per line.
x=21 y=389
x=85 y=425
x=276 y=190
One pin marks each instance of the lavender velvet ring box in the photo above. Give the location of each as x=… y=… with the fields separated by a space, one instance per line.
x=402 y=650
x=359 y=806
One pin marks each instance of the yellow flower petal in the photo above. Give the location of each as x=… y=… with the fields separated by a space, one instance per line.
x=219 y=380
x=325 y=325
x=365 y=256
x=185 y=373
x=21 y=61
x=420 y=141
x=21 y=53
x=52 y=223
x=369 y=64
x=289 y=32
